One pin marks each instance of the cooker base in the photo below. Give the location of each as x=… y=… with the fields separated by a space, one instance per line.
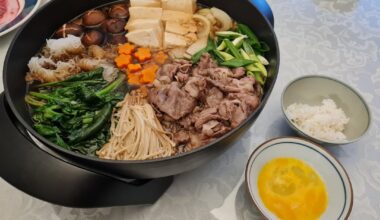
x=54 y=179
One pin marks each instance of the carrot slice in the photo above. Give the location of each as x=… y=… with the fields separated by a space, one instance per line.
x=149 y=74
x=134 y=67
x=123 y=60
x=126 y=49
x=142 y=54
x=160 y=57
x=134 y=78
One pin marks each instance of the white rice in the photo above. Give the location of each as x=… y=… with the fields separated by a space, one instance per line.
x=325 y=122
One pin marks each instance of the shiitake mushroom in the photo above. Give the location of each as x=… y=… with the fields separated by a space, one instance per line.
x=116 y=38
x=67 y=29
x=93 y=18
x=119 y=11
x=92 y=37
x=78 y=21
x=114 y=25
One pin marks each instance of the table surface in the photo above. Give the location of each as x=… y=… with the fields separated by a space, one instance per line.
x=339 y=38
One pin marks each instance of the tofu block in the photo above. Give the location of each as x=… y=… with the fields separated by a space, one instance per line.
x=144 y=24
x=150 y=37
x=175 y=28
x=186 y=6
x=176 y=16
x=174 y=40
x=145 y=13
x=145 y=3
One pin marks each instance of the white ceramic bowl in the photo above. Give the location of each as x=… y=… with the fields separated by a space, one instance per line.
x=339 y=189
x=313 y=89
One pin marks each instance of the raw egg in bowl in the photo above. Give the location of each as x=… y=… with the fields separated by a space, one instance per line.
x=292 y=178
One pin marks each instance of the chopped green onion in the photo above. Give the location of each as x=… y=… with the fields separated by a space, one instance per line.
x=237 y=63
x=239 y=41
x=222 y=46
x=226 y=56
x=244 y=29
x=228 y=34
x=234 y=51
x=263 y=60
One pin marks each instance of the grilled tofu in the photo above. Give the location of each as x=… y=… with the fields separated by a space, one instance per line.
x=174 y=40
x=145 y=13
x=175 y=28
x=176 y=16
x=150 y=37
x=144 y=24
x=186 y=6
x=145 y=3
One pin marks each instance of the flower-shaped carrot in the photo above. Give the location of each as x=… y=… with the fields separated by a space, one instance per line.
x=123 y=60
x=134 y=67
x=160 y=57
x=134 y=78
x=149 y=74
x=126 y=49
x=142 y=54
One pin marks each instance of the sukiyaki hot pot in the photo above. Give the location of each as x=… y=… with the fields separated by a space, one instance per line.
x=237 y=63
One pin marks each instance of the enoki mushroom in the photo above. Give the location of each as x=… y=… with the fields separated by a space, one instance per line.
x=136 y=133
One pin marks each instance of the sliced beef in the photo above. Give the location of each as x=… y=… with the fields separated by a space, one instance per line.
x=182 y=77
x=219 y=73
x=181 y=137
x=186 y=122
x=168 y=70
x=213 y=97
x=232 y=85
x=238 y=72
x=206 y=62
x=205 y=116
x=204 y=65
x=250 y=101
x=200 y=103
x=214 y=128
x=195 y=86
x=171 y=69
x=172 y=101
x=226 y=84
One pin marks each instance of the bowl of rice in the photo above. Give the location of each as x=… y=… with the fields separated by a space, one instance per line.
x=325 y=110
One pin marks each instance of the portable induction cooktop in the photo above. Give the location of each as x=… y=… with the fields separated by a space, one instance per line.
x=41 y=173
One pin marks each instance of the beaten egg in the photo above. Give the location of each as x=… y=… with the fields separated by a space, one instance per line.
x=291 y=189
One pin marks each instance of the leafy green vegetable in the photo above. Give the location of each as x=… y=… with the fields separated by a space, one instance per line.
x=84 y=133
x=75 y=114
x=33 y=102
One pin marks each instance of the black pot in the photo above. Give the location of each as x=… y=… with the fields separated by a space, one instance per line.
x=43 y=24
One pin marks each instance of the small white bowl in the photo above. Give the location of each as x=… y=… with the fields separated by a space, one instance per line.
x=311 y=90
x=338 y=184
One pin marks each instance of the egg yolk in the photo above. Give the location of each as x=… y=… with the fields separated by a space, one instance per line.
x=291 y=189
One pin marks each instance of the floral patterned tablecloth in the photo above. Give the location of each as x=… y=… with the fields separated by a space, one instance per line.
x=339 y=38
